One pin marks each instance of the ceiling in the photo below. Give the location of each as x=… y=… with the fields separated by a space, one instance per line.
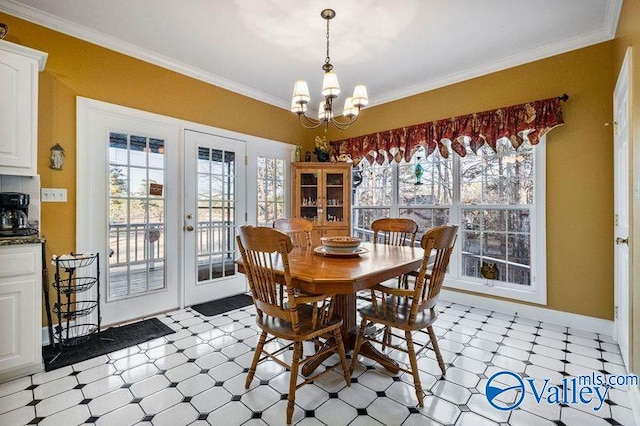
x=397 y=48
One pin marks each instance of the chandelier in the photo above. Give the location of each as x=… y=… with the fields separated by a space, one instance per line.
x=330 y=91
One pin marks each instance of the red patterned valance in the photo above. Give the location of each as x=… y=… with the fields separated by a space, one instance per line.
x=526 y=121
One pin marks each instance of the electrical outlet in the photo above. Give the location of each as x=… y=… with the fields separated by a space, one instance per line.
x=53 y=195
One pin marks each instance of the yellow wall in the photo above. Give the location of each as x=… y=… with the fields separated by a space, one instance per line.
x=579 y=161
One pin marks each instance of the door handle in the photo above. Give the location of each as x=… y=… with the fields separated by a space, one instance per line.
x=622 y=241
x=189 y=228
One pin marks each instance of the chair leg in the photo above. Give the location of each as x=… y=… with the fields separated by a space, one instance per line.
x=436 y=349
x=386 y=338
x=343 y=356
x=256 y=357
x=293 y=379
x=414 y=368
x=356 y=349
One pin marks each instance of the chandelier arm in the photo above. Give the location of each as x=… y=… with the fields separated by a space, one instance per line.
x=343 y=125
x=308 y=122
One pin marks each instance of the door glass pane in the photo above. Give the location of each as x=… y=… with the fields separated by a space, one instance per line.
x=136 y=215
x=215 y=225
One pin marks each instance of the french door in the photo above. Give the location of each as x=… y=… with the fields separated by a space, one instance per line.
x=214 y=205
x=125 y=208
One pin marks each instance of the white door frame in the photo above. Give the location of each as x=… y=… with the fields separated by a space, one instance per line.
x=84 y=221
x=202 y=291
x=95 y=121
x=622 y=197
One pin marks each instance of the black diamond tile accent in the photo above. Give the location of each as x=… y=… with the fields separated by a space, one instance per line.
x=247 y=326
x=613 y=421
x=180 y=351
x=256 y=415
x=92 y=419
x=231 y=359
x=219 y=384
x=36 y=420
x=173 y=385
x=284 y=396
x=136 y=400
x=559 y=423
x=171 y=342
x=600 y=349
x=148 y=418
x=563 y=405
x=354 y=380
x=204 y=371
x=32 y=387
x=203 y=416
x=194 y=334
x=85 y=401
x=264 y=382
x=34 y=402
x=362 y=412
x=309 y=413
x=528 y=362
x=610 y=402
x=370 y=367
x=126 y=386
x=236 y=397
x=565 y=361
x=333 y=395
x=413 y=410
x=80 y=386
x=74 y=373
x=161 y=371
x=191 y=360
x=605 y=372
x=396 y=378
x=381 y=394
x=187 y=399
x=602 y=360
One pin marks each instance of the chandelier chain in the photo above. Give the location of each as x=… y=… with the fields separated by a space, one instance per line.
x=327 y=59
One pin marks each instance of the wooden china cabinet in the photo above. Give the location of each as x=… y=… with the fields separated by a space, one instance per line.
x=322 y=194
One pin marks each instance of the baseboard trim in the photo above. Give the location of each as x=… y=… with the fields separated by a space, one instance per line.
x=582 y=322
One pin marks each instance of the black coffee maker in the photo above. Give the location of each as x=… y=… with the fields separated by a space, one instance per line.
x=14 y=211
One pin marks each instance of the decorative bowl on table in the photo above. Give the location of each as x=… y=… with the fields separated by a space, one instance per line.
x=341 y=244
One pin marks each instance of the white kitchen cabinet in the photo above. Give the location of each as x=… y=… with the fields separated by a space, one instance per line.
x=19 y=68
x=20 y=310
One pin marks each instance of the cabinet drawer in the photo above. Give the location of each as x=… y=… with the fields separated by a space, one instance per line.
x=17 y=261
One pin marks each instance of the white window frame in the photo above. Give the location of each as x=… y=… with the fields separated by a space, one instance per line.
x=536 y=292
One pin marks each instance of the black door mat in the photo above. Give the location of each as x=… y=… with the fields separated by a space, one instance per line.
x=123 y=337
x=221 y=306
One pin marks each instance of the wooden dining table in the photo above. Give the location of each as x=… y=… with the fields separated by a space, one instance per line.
x=344 y=276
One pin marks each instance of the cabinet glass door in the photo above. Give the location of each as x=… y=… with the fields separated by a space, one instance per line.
x=310 y=204
x=334 y=198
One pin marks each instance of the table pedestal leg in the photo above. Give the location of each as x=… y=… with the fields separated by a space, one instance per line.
x=346 y=308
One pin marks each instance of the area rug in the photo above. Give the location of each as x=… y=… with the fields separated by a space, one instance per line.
x=221 y=306
x=120 y=338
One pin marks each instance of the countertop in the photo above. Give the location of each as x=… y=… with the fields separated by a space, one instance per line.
x=13 y=241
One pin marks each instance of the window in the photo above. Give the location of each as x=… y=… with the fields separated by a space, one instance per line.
x=271 y=190
x=497 y=198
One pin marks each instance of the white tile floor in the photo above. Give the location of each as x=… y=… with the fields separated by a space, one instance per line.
x=196 y=376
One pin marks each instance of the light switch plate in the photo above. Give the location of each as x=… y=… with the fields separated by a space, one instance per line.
x=53 y=195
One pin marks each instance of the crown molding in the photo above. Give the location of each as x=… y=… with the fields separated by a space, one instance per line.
x=66 y=27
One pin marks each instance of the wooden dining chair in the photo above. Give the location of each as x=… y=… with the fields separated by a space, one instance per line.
x=412 y=309
x=294 y=318
x=299 y=230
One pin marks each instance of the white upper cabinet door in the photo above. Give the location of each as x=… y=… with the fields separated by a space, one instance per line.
x=19 y=68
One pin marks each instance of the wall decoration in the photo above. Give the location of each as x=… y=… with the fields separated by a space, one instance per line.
x=57 y=157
